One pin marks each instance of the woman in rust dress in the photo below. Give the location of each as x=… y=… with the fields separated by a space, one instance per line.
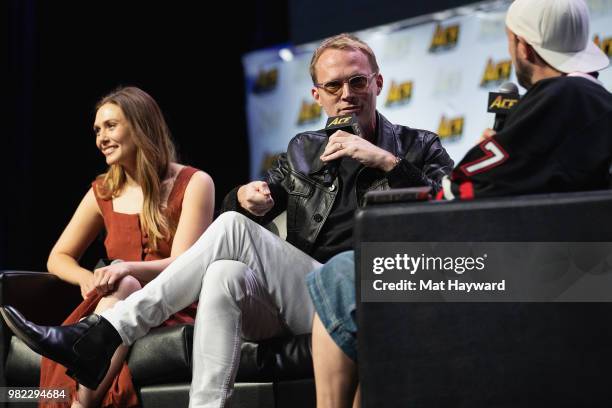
x=152 y=208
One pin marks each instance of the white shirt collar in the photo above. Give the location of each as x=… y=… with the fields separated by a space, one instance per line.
x=586 y=76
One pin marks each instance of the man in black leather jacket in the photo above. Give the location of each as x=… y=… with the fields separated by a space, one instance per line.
x=346 y=80
x=250 y=283
x=415 y=158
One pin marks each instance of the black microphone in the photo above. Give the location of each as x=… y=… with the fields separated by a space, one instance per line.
x=349 y=124
x=501 y=102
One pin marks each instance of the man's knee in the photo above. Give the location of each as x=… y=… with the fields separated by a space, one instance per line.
x=341 y=266
x=230 y=218
x=225 y=278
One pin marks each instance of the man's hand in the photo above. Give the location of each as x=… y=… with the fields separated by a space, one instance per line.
x=107 y=278
x=486 y=134
x=256 y=198
x=343 y=144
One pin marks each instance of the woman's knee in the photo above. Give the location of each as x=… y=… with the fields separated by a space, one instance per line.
x=126 y=286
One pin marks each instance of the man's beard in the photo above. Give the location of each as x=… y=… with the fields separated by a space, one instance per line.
x=524 y=74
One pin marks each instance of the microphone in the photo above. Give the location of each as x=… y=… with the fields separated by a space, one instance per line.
x=501 y=102
x=349 y=124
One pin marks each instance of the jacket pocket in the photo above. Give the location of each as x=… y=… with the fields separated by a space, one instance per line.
x=300 y=188
x=299 y=193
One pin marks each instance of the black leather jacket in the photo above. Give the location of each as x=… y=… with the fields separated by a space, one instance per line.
x=296 y=180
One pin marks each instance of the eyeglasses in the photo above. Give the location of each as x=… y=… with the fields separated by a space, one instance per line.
x=357 y=83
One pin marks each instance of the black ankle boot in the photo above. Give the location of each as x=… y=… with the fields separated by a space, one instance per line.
x=84 y=348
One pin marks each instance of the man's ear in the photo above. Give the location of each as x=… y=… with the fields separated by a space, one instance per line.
x=526 y=51
x=379 y=83
x=316 y=95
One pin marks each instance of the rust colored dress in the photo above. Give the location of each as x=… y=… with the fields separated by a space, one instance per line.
x=124 y=240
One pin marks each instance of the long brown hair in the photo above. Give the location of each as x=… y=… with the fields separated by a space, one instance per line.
x=154 y=153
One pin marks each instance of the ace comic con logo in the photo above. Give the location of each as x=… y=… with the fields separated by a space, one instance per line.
x=310 y=112
x=496 y=72
x=400 y=93
x=266 y=81
x=444 y=38
x=451 y=128
x=604 y=43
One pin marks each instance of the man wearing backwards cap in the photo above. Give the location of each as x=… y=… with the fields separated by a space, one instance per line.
x=558 y=138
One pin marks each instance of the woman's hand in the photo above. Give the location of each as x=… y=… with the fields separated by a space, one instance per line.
x=87 y=285
x=106 y=278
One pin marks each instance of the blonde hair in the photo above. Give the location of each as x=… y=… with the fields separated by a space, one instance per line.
x=342 y=41
x=154 y=153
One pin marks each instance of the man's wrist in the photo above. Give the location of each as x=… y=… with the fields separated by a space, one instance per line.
x=391 y=162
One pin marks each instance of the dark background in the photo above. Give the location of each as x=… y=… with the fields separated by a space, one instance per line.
x=62 y=56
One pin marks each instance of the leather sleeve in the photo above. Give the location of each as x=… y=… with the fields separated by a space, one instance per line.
x=275 y=179
x=434 y=164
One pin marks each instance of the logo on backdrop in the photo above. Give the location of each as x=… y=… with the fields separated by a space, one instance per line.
x=451 y=128
x=399 y=93
x=496 y=72
x=267 y=162
x=605 y=43
x=444 y=38
x=266 y=81
x=309 y=112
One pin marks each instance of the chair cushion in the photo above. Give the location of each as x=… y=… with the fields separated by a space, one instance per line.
x=280 y=359
x=22 y=364
x=164 y=357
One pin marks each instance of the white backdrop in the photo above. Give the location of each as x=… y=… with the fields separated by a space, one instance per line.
x=437 y=70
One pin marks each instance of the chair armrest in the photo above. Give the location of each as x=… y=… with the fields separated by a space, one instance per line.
x=40 y=296
x=278 y=359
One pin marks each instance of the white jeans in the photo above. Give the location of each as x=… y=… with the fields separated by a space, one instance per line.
x=249 y=282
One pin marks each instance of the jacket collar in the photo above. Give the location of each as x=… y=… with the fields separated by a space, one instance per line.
x=386 y=138
x=317 y=165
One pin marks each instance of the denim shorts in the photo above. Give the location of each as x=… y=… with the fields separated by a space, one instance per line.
x=332 y=289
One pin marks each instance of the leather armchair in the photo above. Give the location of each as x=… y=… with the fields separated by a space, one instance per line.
x=274 y=373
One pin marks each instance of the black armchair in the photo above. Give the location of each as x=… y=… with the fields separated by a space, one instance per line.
x=275 y=373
